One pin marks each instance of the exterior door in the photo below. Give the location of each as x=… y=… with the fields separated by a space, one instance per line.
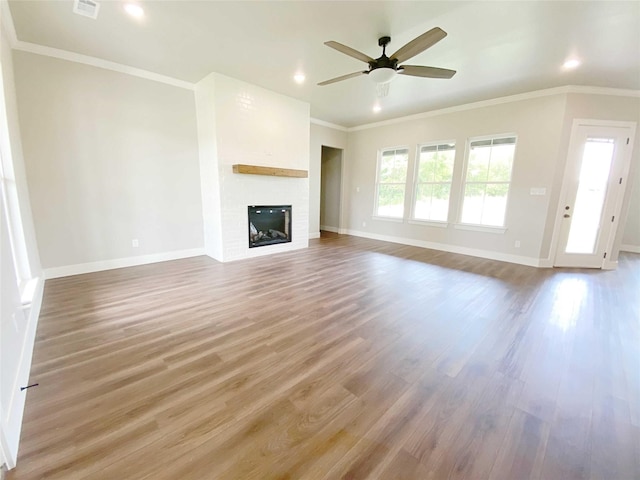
x=592 y=194
x=12 y=331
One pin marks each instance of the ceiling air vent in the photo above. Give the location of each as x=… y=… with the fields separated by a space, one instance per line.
x=86 y=8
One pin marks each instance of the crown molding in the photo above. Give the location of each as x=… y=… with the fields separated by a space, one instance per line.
x=335 y=126
x=100 y=63
x=502 y=100
x=614 y=92
x=10 y=31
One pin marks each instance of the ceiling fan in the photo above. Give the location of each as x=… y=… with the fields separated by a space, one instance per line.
x=384 y=69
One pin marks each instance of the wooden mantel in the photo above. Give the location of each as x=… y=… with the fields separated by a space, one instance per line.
x=274 y=172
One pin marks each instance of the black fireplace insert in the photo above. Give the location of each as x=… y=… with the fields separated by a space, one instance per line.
x=269 y=224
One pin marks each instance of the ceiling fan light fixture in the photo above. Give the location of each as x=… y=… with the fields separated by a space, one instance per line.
x=382 y=75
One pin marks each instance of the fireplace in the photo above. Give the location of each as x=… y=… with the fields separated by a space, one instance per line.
x=269 y=224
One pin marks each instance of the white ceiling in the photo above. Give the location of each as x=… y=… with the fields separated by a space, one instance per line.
x=498 y=48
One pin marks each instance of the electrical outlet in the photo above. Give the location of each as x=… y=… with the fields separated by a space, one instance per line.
x=357 y=189
x=135 y=243
x=517 y=243
x=364 y=224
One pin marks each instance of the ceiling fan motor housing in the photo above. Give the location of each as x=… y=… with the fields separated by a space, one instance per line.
x=385 y=68
x=383 y=61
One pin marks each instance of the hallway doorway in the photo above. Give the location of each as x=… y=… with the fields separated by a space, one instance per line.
x=330 y=189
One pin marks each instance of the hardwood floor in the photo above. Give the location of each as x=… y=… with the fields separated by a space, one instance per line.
x=351 y=359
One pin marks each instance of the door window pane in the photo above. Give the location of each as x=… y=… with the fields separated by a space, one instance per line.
x=592 y=189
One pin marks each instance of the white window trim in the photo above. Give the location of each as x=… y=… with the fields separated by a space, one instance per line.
x=416 y=166
x=429 y=223
x=388 y=219
x=480 y=228
x=463 y=183
x=375 y=215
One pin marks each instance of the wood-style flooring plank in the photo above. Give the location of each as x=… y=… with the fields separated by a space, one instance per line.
x=353 y=359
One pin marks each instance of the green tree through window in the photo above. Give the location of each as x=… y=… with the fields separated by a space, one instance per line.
x=391 y=185
x=487 y=181
x=433 y=182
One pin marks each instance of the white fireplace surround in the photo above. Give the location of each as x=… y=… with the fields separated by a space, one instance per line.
x=240 y=123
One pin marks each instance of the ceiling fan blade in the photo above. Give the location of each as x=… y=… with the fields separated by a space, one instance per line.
x=343 y=77
x=419 y=44
x=349 y=51
x=428 y=72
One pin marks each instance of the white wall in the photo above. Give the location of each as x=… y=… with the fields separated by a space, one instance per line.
x=538 y=126
x=543 y=127
x=257 y=127
x=209 y=167
x=330 y=137
x=631 y=236
x=110 y=158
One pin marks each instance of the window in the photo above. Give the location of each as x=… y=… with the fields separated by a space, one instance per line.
x=391 y=185
x=434 y=174
x=11 y=212
x=487 y=181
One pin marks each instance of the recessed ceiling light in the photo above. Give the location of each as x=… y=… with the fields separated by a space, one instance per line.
x=134 y=10
x=376 y=108
x=571 y=63
x=299 y=77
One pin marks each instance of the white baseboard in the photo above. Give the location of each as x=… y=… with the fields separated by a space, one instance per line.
x=328 y=228
x=630 y=248
x=474 y=252
x=314 y=235
x=80 y=268
x=545 y=263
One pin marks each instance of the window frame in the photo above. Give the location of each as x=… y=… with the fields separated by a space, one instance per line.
x=416 y=182
x=381 y=152
x=463 y=184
